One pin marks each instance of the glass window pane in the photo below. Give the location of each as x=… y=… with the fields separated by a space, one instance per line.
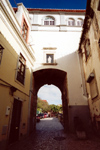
x=51 y=22
x=46 y=22
x=21 y=69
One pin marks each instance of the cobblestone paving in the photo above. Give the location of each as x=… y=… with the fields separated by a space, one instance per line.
x=50 y=136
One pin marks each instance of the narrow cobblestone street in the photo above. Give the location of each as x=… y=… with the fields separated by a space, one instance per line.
x=50 y=136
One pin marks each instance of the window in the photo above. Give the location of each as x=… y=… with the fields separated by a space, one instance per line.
x=49 y=58
x=1 y=52
x=24 y=30
x=99 y=6
x=87 y=48
x=49 y=21
x=71 y=22
x=93 y=86
x=21 y=69
x=79 y=22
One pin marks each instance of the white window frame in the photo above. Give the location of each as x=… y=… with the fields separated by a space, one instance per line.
x=80 y=22
x=21 y=69
x=48 y=20
x=93 y=85
x=71 y=22
x=45 y=52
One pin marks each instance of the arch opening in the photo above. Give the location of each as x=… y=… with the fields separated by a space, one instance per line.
x=55 y=77
x=51 y=93
x=49 y=102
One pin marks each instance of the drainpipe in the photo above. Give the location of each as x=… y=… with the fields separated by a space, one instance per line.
x=29 y=107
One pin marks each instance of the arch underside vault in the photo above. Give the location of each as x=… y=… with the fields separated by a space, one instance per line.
x=57 y=78
x=49 y=76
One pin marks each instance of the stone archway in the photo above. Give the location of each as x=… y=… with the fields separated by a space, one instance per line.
x=57 y=78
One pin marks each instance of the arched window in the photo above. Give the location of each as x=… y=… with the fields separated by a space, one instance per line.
x=49 y=21
x=71 y=22
x=80 y=22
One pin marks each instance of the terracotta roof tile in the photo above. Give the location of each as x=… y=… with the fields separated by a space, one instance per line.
x=54 y=10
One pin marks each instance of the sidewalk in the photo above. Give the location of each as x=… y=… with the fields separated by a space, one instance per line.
x=50 y=136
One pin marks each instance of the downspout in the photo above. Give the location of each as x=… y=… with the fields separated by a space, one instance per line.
x=29 y=107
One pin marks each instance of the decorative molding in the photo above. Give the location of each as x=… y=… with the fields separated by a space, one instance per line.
x=49 y=48
x=49 y=64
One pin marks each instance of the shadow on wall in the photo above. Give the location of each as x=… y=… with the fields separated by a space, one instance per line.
x=55 y=74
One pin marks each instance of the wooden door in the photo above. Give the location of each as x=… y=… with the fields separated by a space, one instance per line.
x=15 y=122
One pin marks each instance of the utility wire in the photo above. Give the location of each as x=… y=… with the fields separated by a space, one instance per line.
x=15 y=2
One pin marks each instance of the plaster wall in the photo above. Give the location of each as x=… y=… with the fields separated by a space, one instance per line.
x=13 y=43
x=7 y=79
x=62 y=41
x=60 y=18
x=93 y=64
x=66 y=57
x=22 y=12
x=7 y=100
x=9 y=65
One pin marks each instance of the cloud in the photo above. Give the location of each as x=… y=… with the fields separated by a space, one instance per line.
x=50 y=93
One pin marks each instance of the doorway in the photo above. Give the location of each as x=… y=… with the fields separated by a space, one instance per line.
x=15 y=122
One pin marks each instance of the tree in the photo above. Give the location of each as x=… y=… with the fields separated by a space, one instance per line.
x=55 y=108
x=45 y=107
x=43 y=104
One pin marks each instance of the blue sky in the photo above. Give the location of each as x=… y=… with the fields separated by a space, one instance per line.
x=55 y=4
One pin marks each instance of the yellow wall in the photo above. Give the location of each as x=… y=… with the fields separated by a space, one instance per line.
x=13 y=44
x=7 y=100
x=7 y=78
x=9 y=65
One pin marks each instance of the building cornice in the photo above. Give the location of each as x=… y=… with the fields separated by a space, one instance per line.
x=57 y=10
x=12 y=11
x=37 y=10
x=25 y=11
x=15 y=28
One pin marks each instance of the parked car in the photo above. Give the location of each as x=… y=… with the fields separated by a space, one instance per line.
x=45 y=115
x=41 y=115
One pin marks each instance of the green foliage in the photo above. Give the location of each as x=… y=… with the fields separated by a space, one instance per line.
x=55 y=108
x=39 y=110
x=42 y=104
x=45 y=107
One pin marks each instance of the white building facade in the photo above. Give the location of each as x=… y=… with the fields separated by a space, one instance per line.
x=55 y=40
